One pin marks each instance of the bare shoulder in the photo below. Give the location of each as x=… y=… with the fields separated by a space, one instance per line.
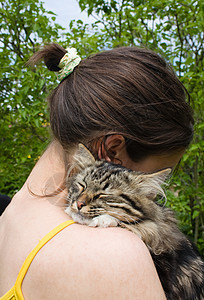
x=93 y=263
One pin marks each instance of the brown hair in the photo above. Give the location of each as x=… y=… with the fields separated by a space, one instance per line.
x=131 y=91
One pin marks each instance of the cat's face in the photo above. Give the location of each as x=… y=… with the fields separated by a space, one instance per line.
x=104 y=188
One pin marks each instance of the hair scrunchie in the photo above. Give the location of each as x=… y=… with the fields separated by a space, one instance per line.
x=68 y=62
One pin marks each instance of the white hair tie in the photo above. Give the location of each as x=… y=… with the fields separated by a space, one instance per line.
x=68 y=62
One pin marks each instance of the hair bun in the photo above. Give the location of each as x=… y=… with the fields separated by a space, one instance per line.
x=51 y=54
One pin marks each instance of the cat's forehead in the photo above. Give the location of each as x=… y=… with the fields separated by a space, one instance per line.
x=95 y=171
x=104 y=171
x=99 y=168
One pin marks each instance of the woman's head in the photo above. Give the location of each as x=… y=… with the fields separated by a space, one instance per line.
x=128 y=91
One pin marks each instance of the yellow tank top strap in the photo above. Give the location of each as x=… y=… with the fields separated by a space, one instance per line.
x=15 y=293
x=31 y=256
x=10 y=295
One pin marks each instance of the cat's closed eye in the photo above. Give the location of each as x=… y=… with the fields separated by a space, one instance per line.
x=96 y=197
x=99 y=196
x=80 y=187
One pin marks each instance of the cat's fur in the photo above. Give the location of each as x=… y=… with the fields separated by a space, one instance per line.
x=104 y=194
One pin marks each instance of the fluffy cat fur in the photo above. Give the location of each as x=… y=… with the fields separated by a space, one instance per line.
x=105 y=194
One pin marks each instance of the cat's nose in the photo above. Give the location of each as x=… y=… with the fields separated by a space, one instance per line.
x=80 y=204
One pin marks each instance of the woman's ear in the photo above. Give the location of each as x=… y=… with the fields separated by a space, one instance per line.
x=113 y=148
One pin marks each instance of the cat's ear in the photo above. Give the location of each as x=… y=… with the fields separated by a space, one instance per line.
x=161 y=176
x=150 y=185
x=83 y=157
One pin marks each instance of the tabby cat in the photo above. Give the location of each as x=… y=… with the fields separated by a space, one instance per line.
x=105 y=194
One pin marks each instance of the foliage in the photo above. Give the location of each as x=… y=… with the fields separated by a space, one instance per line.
x=23 y=110
x=171 y=28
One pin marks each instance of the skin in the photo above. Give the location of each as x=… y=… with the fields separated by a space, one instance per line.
x=155 y=162
x=80 y=262
x=116 y=145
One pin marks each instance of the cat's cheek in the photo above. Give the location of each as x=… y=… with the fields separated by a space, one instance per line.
x=77 y=217
x=68 y=211
x=104 y=221
x=72 y=209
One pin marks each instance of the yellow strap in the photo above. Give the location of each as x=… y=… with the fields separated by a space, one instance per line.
x=10 y=295
x=30 y=257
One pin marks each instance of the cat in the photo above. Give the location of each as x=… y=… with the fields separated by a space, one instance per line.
x=105 y=194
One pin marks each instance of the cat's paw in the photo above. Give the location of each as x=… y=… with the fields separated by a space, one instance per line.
x=104 y=221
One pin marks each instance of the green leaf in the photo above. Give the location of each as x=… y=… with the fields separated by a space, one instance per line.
x=195 y=214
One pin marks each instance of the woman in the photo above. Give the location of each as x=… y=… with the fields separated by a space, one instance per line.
x=127 y=106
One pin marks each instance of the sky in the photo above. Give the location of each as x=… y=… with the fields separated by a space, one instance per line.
x=66 y=11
